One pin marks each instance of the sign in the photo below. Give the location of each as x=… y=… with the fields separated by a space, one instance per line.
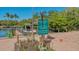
x=43 y=26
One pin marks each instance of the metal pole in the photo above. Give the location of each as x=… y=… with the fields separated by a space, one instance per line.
x=43 y=36
x=32 y=23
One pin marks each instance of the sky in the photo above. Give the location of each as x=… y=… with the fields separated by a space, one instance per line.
x=25 y=12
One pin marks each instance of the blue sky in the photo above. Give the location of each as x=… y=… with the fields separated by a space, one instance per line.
x=25 y=12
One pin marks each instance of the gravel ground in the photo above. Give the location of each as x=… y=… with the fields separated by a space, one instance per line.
x=67 y=41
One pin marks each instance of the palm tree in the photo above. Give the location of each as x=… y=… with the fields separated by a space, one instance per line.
x=7 y=15
x=10 y=16
x=16 y=16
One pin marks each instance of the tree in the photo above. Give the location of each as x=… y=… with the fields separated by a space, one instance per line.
x=66 y=20
x=10 y=16
x=7 y=15
x=16 y=17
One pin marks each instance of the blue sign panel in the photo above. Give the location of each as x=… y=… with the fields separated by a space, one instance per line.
x=42 y=27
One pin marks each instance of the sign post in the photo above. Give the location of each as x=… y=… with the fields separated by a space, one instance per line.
x=42 y=28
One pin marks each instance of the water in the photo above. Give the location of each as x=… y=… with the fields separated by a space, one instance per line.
x=6 y=33
x=3 y=33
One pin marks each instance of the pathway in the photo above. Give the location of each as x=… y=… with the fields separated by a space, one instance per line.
x=7 y=44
